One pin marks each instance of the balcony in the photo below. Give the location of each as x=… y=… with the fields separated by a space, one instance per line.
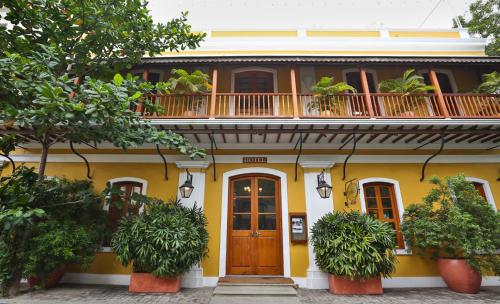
x=342 y=106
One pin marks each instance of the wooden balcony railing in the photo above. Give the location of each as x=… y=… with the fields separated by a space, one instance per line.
x=288 y=105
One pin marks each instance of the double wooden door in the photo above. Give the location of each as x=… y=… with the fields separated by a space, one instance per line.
x=254 y=226
x=258 y=85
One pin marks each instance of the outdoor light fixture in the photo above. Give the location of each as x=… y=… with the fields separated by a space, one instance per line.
x=323 y=188
x=187 y=188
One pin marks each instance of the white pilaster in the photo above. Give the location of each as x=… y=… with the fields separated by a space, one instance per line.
x=194 y=278
x=316 y=207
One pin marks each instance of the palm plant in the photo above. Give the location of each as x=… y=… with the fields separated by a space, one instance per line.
x=410 y=83
x=324 y=92
x=197 y=83
x=490 y=84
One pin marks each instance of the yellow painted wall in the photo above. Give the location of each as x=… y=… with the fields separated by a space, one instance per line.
x=424 y=34
x=407 y=174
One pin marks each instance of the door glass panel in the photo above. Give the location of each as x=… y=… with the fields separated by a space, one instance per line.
x=267 y=205
x=241 y=205
x=386 y=202
x=267 y=221
x=241 y=222
x=266 y=187
x=384 y=191
x=242 y=187
x=388 y=214
x=370 y=191
x=372 y=202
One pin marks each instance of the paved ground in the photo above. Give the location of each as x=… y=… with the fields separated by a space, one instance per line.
x=78 y=294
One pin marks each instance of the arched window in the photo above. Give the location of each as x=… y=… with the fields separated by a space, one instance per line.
x=483 y=187
x=379 y=201
x=127 y=188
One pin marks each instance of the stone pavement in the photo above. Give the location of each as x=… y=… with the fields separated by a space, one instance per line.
x=86 y=294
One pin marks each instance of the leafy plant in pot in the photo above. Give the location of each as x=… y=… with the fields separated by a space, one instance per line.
x=196 y=84
x=457 y=227
x=409 y=83
x=162 y=243
x=355 y=250
x=325 y=93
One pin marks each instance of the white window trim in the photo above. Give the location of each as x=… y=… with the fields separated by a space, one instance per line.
x=399 y=202
x=487 y=190
x=284 y=215
x=375 y=80
x=125 y=179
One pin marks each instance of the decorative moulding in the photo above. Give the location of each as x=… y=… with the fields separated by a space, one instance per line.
x=319 y=164
x=191 y=164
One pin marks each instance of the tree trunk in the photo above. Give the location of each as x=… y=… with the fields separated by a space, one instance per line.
x=16 y=284
x=43 y=161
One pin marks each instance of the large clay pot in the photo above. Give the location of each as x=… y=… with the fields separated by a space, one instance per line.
x=348 y=286
x=459 y=276
x=52 y=280
x=146 y=282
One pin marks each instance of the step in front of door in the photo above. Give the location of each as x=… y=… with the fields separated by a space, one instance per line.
x=253 y=290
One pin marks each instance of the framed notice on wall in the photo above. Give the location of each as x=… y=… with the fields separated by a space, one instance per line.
x=298 y=228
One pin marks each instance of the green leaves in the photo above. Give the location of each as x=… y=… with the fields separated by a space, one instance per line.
x=410 y=83
x=353 y=245
x=490 y=84
x=454 y=220
x=167 y=239
x=118 y=80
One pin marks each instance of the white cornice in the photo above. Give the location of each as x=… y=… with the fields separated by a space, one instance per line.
x=319 y=164
x=276 y=159
x=192 y=164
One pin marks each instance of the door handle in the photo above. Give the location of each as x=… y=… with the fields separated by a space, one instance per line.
x=257 y=233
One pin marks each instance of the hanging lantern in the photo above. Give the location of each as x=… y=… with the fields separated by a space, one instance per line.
x=323 y=188
x=187 y=188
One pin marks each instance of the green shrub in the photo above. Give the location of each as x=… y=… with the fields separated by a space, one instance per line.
x=454 y=221
x=167 y=239
x=354 y=245
x=46 y=224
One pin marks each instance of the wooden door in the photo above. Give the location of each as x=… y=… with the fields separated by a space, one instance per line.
x=254 y=82
x=354 y=79
x=254 y=226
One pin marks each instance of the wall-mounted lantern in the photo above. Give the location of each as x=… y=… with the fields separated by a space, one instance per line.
x=187 y=188
x=323 y=188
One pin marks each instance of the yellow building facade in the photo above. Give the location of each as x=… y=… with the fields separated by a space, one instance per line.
x=267 y=142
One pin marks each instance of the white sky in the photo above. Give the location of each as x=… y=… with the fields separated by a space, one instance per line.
x=307 y=14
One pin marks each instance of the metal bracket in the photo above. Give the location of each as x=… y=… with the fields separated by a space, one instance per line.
x=299 y=143
x=422 y=176
x=11 y=161
x=354 y=142
x=164 y=161
x=212 y=145
x=82 y=157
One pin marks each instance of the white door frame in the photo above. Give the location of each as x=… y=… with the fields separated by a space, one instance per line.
x=284 y=215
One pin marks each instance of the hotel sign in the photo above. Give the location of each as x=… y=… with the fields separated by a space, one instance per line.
x=254 y=160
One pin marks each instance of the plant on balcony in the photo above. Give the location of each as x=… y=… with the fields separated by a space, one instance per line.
x=355 y=249
x=490 y=84
x=45 y=225
x=457 y=227
x=409 y=83
x=162 y=243
x=325 y=91
x=195 y=83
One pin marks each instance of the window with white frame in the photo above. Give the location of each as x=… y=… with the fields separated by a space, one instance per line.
x=125 y=188
x=381 y=199
x=483 y=188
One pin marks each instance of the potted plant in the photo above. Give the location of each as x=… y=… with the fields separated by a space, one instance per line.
x=355 y=250
x=162 y=243
x=325 y=100
x=490 y=84
x=409 y=83
x=185 y=83
x=457 y=227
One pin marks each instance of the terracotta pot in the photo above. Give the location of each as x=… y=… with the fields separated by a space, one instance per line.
x=189 y=113
x=459 y=276
x=146 y=282
x=347 y=286
x=326 y=113
x=52 y=279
